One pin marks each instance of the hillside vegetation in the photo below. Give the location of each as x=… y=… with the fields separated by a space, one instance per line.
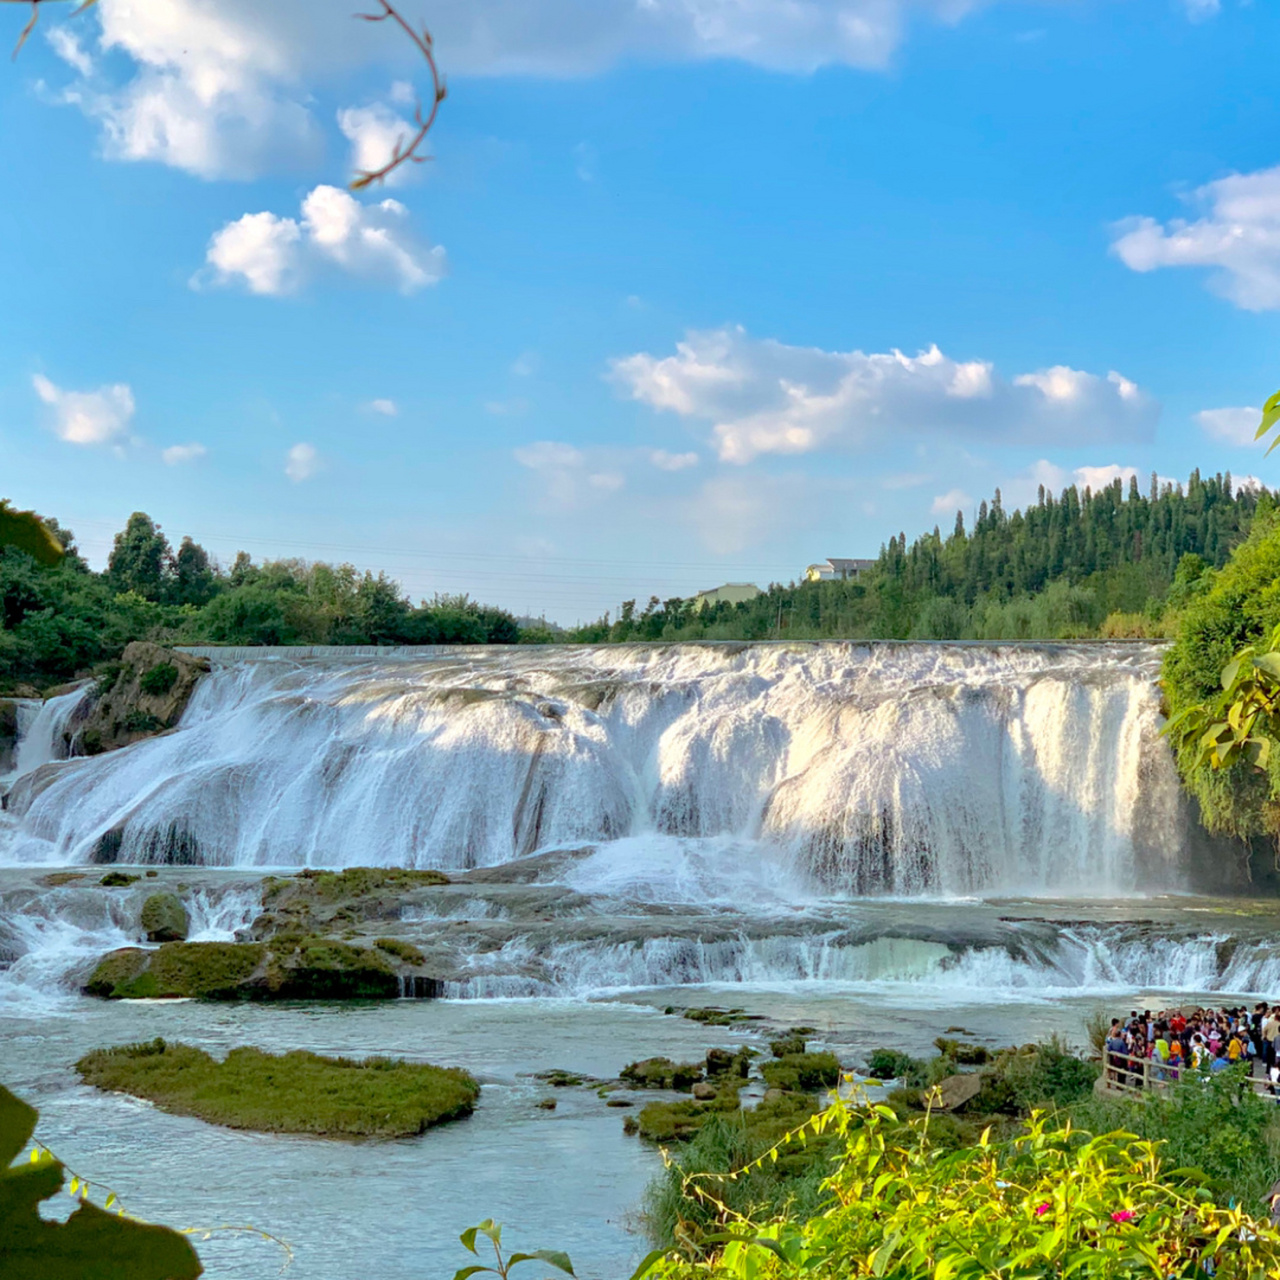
x=1110 y=563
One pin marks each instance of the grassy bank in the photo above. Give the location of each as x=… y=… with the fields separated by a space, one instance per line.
x=286 y=1093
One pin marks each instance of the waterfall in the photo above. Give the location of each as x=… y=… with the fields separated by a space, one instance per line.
x=846 y=768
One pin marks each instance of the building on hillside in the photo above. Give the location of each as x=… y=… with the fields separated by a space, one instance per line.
x=730 y=593
x=835 y=569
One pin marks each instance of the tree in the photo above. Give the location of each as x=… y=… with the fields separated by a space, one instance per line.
x=141 y=559
x=194 y=579
x=25 y=531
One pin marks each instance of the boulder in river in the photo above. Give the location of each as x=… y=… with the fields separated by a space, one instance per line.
x=142 y=695
x=164 y=918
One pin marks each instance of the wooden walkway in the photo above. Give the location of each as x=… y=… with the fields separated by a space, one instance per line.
x=1125 y=1074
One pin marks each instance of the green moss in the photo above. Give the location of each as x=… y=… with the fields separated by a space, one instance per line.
x=405 y=951
x=118 y=880
x=717 y=1017
x=892 y=1064
x=58 y=878
x=967 y=1055
x=288 y=1093
x=791 y=1043
x=114 y=970
x=360 y=882
x=800 y=1072
x=662 y=1073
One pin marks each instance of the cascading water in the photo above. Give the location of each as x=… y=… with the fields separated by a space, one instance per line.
x=851 y=769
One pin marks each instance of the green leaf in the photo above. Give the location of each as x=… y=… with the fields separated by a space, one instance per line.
x=552 y=1257
x=647 y=1263
x=471 y=1271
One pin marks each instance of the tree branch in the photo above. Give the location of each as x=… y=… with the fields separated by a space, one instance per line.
x=406 y=152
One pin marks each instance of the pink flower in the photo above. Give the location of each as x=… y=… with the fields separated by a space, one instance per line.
x=1123 y=1215
x=1042 y=1209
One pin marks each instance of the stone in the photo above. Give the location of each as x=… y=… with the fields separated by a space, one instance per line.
x=704 y=1091
x=955 y=1091
x=150 y=691
x=164 y=918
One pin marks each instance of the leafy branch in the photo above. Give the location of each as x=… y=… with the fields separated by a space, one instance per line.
x=407 y=151
x=502 y=1268
x=1270 y=416
x=1242 y=722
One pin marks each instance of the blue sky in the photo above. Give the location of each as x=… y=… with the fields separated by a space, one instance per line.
x=692 y=291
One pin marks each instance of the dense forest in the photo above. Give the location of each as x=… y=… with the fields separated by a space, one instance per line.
x=1109 y=562
x=1085 y=564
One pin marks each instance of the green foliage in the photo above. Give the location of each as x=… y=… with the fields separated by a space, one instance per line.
x=802 y=1071
x=502 y=1265
x=1059 y=569
x=287 y=1093
x=24 y=531
x=58 y=619
x=1213 y=1122
x=1221 y=719
x=724 y=1145
x=662 y=1073
x=92 y=1244
x=1048 y=1201
x=892 y=1064
x=158 y=680
x=405 y=951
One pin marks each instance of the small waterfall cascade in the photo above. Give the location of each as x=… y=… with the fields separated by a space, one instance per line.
x=858 y=769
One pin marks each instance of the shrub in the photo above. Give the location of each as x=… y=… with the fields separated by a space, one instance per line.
x=893 y=1064
x=157 y=681
x=802 y=1071
x=1047 y=1201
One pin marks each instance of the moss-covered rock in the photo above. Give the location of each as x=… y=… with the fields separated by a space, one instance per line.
x=329 y=901
x=402 y=950
x=287 y=1093
x=144 y=694
x=118 y=880
x=802 y=1072
x=662 y=1073
x=289 y=968
x=164 y=918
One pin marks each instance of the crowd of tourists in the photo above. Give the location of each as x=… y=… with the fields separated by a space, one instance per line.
x=1175 y=1040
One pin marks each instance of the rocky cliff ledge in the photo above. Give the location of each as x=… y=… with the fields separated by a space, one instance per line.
x=142 y=695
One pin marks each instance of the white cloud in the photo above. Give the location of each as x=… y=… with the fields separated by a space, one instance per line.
x=66 y=44
x=302 y=462
x=1096 y=478
x=665 y=461
x=525 y=365
x=946 y=504
x=1233 y=426
x=273 y=255
x=176 y=454
x=223 y=88
x=762 y=397
x=374 y=133
x=1238 y=237
x=567 y=477
x=387 y=408
x=87 y=417
x=1202 y=10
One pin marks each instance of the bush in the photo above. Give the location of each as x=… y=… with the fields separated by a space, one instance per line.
x=892 y=1064
x=803 y=1072
x=157 y=681
x=1048 y=1201
x=1240 y=606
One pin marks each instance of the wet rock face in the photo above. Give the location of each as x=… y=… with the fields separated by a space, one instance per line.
x=164 y=918
x=8 y=733
x=145 y=695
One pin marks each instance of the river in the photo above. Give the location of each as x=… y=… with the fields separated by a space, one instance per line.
x=879 y=841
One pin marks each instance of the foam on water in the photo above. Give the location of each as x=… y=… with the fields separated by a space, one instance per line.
x=859 y=769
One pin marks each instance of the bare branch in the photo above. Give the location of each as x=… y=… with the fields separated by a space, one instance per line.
x=35 y=15
x=406 y=149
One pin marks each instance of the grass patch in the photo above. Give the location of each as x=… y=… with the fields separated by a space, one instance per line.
x=354 y=882
x=405 y=951
x=286 y=1093
x=662 y=1073
x=802 y=1072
